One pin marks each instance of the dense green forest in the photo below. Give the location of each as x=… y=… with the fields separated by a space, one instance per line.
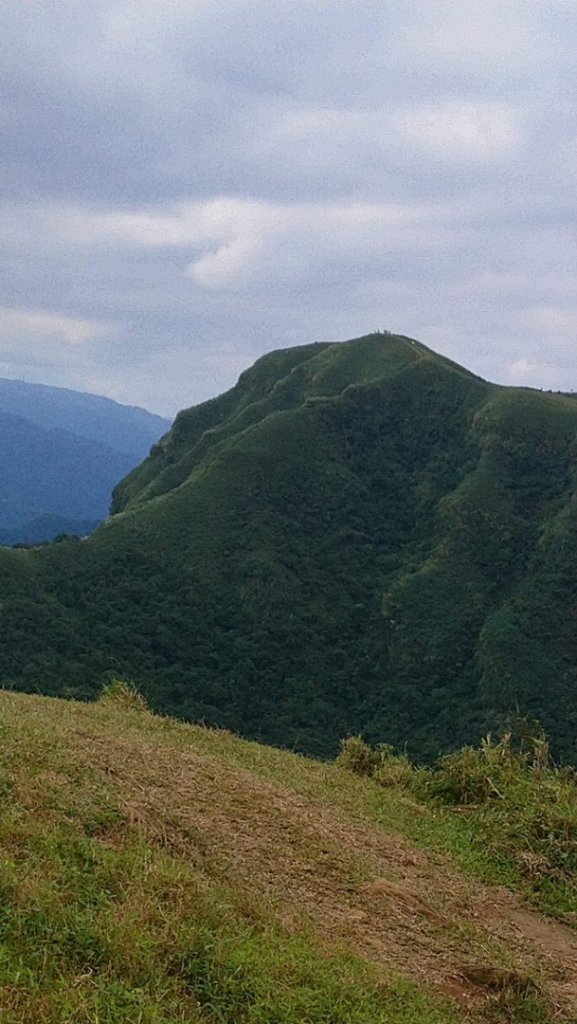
x=358 y=537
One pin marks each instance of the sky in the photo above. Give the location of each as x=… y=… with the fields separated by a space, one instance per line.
x=188 y=184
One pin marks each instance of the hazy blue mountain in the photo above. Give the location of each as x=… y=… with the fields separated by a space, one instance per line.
x=61 y=453
x=35 y=531
x=126 y=428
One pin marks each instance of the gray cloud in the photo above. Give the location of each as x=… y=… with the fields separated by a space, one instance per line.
x=186 y=186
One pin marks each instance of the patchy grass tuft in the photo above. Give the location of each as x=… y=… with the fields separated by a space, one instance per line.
x=124 y=694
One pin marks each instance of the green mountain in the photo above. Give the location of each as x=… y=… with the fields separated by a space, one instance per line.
x=358 y=537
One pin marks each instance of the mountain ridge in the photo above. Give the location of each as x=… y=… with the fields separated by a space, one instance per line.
x=256 y=380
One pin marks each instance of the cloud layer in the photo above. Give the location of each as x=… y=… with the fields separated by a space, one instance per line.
x=186 y=186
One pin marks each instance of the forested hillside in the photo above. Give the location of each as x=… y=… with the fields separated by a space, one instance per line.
x=358 y=537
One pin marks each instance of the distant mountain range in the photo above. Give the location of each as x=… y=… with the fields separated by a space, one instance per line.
x=357 y=537
x=61 y=453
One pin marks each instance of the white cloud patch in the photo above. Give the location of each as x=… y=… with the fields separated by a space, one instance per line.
x=523 y=369
x=52 y=348
x=490 y=37
x=36 y=326
x=183 y=174
x=243 y=243
x=477 y=131
x=552 y=320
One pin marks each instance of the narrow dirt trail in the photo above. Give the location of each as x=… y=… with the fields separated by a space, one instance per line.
x=396 y=906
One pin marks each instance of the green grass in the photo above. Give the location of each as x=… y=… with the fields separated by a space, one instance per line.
x=115 y=907
x=526 y=840
x=92 y=934
x=99 y=925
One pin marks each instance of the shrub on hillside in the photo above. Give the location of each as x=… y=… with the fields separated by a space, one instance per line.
x=522 y=808
x=397 y=770
x=379 y=763
x=476 y=774
x=357 y=756
x=123 y=693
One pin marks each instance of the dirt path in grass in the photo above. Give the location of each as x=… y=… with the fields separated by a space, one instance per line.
x=393 y=904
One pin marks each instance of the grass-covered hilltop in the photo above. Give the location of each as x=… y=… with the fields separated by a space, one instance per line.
x=153 y=872
x=357 y=538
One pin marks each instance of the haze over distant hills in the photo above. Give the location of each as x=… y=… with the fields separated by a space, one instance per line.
x=61 y=453
x=356 y=537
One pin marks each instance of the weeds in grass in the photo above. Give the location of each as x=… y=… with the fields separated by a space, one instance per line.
x=379 y=763
x=358 y=757
x=522 y=808
x=518 y=1008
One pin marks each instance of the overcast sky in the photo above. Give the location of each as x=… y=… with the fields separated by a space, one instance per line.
x=187 y=184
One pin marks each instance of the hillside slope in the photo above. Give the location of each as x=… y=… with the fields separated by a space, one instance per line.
x=158 y=873
x=358 y=537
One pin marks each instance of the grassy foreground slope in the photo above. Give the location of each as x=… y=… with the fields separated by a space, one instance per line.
x=154 y=873
x=358 y=537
